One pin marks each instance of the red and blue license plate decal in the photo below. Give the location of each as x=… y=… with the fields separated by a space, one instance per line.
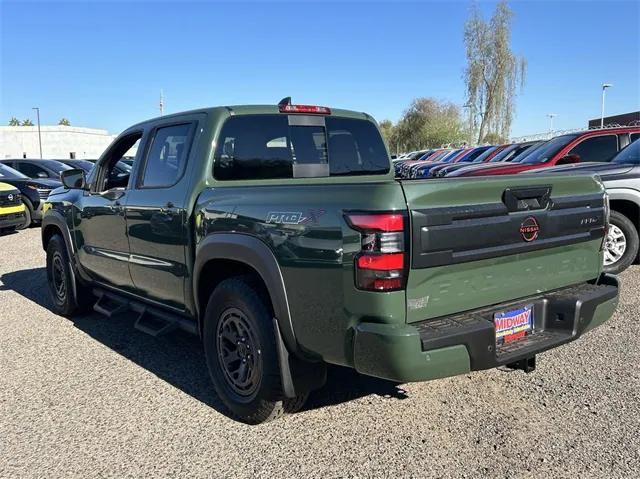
x=513 y=325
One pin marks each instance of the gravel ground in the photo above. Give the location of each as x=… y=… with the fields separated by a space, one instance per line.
x=94 y=397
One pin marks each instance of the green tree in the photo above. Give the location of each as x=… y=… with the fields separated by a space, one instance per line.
x=429 y=123
x=386 y=128
x=492 y=138
x=14 y=121
x=64 y=122
x=27 y=122
x=493 y=71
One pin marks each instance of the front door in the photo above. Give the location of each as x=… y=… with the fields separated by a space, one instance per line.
x=100 y=228
x=156 y=213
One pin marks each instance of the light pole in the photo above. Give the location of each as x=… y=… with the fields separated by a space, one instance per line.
x=468 y=106
x=39 y=135
x=551 y=117
x=604 y=88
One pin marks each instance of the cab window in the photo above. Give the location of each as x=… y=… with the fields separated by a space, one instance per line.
x=167 y=156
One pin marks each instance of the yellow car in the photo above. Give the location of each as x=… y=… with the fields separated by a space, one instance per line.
x=11 y=208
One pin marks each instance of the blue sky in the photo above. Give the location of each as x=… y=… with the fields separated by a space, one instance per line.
x=103 y=64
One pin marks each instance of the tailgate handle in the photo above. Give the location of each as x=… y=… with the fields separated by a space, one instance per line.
x=526 y=199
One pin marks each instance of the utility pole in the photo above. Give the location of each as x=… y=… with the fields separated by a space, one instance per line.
x=604 y=88
x=161 y=104
x=551 y=116
x=39 y=134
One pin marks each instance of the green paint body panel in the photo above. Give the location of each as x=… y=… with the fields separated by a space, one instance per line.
x=145 y=253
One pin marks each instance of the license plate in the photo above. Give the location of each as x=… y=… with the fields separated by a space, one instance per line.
x=513 y=325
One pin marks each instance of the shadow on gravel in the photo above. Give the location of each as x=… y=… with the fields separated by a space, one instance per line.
x=178 y=358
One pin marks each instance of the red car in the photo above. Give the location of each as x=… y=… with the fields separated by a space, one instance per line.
x=591 y=145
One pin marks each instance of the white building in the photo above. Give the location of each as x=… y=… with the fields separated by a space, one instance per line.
x=57 y=142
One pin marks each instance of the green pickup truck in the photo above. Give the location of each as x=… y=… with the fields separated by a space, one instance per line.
x=279 y=235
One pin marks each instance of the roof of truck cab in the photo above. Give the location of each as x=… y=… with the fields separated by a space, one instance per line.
x=256 y=110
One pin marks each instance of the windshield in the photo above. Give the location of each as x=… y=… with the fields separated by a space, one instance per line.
x=519 y=156
x=82 y=164
x=500 y=156
x=57 y=166
x=629 y=155
x=548 y=150
x=10 y=174
x=487 y=152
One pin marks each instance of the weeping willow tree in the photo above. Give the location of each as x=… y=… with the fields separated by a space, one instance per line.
x=493 y=72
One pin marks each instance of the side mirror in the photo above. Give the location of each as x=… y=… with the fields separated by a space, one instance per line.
x=569 y=159
x=42 y=174
x=74 y=179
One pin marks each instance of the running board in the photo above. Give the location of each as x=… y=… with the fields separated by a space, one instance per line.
x=109 y=306
x=153 y=321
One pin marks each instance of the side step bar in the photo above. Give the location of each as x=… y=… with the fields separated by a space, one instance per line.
x=150 y=320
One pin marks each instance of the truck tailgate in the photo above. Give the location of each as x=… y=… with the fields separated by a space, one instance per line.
x=477 y=243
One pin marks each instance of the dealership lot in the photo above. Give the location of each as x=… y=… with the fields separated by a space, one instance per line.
x=94 y=397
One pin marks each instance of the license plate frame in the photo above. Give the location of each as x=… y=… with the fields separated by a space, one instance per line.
x=513 y=324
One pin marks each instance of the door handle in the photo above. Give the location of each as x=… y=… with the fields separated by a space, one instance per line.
x=168 y=208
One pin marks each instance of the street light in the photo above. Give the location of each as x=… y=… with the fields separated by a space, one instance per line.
x=551 y=117
x=39 y=135
x=604 y=87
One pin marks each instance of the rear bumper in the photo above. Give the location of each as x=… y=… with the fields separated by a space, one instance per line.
x=457 y=344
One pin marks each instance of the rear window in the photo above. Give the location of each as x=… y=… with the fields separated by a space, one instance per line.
x=270 y=146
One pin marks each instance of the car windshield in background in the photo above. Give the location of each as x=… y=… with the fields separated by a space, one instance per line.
x=548 y=149
x=630 y=155
x=268 y=146
x=83 y=164
x=504 y=153
x=10 y=174
x=57 y=166
x=484 y=154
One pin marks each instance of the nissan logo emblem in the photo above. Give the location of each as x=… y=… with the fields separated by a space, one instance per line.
x=529 y=229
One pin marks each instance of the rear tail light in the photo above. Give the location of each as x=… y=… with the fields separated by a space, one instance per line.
x=307 y=109
x=381 y=264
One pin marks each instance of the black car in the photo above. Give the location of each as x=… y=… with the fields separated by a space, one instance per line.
x=38 y=169
x=33 y=191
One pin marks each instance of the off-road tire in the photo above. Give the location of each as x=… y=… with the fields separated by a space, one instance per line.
x=631 y=235
x=60 y=280
x=263 y=400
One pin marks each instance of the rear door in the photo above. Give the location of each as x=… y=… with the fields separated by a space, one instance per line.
x=156 y=211
x=478 y=243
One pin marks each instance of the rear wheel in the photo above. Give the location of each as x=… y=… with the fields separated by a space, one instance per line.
x=621 y=244
x=67 y=295
x=240 y=349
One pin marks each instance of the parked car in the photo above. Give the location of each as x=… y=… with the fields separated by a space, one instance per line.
x=398 y=279
x=33 y=192
x=11 y=208
x=38 y=169
x=586 y=146
x=494 y=164
x=505 y=154
x=621 y=177
x=486 y=156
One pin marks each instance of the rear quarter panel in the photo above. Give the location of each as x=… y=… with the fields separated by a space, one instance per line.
x=304 y=227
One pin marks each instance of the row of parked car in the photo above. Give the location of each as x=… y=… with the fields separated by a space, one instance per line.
x=612 y=153
x=29 y=182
